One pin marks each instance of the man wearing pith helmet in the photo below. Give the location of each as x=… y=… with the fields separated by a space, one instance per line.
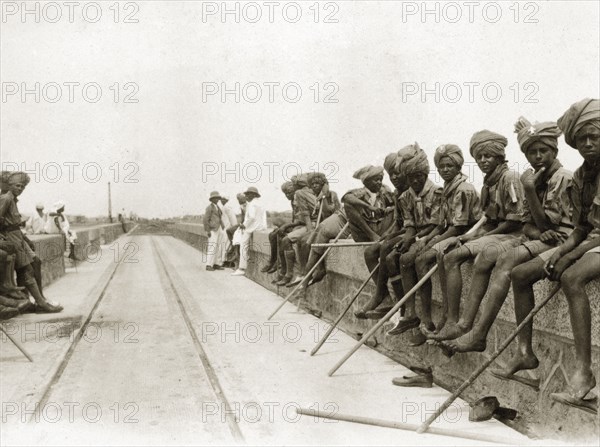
x=254 y=220
x=215 y=229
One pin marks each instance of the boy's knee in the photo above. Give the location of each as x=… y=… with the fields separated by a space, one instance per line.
x=520 y=275
x=570 y=280
x=391 y=262
x=372 y=251
x=452 y=258
x=407 y=260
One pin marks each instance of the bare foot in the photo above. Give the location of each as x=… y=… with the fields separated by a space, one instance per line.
x=467 y=343
x=519 y=362
x=582 y=381
x=450 y=331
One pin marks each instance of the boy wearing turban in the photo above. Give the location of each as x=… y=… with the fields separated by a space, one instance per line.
x=326 y=204
x=377 y=253
x=547 y=223
x=367 y=210
x=575 y=262
x=460 y=210
x=420 y=206
x=370 y=210
x=502 y=203
x=277 y=259
x=10 y=221
x=303 y=203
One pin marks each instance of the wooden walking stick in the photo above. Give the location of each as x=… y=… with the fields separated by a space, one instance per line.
x=381 y=322
x=423 y=428
x=481 y=437
x=395 y=309
x=317 y=224
x=320 y=212
x=314 y=267
x=346 y=244
x=350 y=303
x=16 y=343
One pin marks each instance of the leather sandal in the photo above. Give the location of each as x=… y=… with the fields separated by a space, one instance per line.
x=378 y=314
x=420 y=381
x=405 y=325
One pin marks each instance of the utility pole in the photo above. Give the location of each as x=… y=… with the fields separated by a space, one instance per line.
x=109 y=205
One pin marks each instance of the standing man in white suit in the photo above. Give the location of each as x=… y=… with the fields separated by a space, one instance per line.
x=255 y=219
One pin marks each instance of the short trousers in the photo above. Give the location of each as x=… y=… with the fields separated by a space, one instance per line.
x=295 y=235
x=440 y=247
x=492 y=246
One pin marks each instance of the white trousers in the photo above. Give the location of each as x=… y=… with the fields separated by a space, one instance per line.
x=244 y=249
x=216 y=247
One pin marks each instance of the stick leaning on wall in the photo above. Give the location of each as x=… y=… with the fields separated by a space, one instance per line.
x=308 y=275
x=396 y=307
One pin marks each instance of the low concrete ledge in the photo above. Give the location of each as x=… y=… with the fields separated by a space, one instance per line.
x=553 y=343
x=50 y=248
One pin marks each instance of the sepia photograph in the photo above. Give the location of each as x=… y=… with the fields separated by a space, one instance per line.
x=299 y=223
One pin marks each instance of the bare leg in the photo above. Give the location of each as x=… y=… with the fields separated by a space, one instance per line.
x=452 y=263
x=443 y=285
x=523 y=278
x=25 y=276
x=409 y=279
x=382 y=275
x=423 y=264
x=475 y=340
x=573 y=283
x=273 y=251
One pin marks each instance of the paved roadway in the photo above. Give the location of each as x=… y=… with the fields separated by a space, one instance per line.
x=170 y=354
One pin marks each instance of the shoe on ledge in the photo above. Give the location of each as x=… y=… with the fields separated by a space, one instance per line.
x=239 y=272
x=48 y=307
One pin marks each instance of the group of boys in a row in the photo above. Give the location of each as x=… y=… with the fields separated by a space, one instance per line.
x=544 y=223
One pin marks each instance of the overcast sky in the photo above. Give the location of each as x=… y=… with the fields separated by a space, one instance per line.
x=163 y=135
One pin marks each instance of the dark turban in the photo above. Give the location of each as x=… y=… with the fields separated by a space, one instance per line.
x=367 y=172
x=528 y=133
x=390 y=162
x=492 y=141
x=412 y=159
x=586 y=111
x=8 y=177
x=300 y=180
x=449 y=150
x=287 y=188
x=317 y=177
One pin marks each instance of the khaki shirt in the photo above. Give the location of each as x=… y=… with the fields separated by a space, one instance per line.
x=383 y=199
x=505 y=199
x=555 y=201
x=421 y=210
x=305 y=202
x=585 y=197
x=462 y=206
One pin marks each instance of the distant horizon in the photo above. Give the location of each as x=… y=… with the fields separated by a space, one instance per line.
x=176 y=104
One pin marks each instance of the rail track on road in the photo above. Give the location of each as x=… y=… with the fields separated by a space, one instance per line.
x=173 y=290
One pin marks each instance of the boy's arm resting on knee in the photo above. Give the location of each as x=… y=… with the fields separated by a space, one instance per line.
x=407 y=240
x=506 y=227
x=452 y=231
x=582 y=249
x=427 y=234
x=352 y=200
x=565 y=254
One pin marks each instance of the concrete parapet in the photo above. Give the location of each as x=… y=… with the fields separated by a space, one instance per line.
x=50 y=248
x=552 y=339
